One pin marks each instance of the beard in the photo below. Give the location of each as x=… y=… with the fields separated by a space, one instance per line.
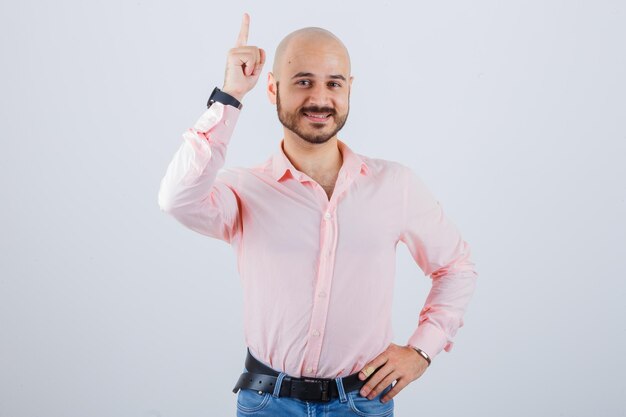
x=320 y=133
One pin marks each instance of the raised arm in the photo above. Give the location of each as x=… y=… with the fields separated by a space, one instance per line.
x=191 y=190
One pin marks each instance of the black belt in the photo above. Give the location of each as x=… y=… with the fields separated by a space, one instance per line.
x=261 y=377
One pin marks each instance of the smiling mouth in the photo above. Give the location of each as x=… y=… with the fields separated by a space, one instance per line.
x=317 y=117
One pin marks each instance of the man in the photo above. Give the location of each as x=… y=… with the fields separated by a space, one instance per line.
x=315 y=228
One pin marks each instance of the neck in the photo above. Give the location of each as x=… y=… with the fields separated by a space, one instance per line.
x=314 y=159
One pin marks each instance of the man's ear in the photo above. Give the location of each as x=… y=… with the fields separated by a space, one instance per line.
x=351 y=79
x=271 y=87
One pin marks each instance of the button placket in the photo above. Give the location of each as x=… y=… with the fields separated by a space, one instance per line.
x=321 y=303
x=325 y=271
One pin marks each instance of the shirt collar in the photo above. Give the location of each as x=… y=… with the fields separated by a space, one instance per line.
x=352 y=164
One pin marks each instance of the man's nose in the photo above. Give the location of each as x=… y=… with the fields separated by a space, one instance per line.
x=320 y=96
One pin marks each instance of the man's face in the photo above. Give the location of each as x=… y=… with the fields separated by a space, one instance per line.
x=313 y=100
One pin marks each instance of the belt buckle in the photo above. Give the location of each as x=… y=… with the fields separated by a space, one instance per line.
x=325 y=384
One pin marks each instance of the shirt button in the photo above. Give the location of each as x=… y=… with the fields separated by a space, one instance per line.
x=226 y=122
x=309 y=369
x=322 y=294
x=316 y=333
x=327 y=215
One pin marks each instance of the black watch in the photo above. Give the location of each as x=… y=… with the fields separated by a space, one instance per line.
x=224 y=98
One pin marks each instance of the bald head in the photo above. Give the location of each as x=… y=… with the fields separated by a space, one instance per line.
x=306 y=40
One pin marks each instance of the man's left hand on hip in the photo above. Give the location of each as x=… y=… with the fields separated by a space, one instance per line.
x=401 y=363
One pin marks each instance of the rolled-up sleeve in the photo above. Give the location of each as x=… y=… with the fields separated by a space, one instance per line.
x=191 y=190
x=437 y=247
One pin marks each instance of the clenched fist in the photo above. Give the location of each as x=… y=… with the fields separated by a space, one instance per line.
x=243 y=65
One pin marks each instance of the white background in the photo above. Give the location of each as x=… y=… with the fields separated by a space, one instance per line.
x=511 y=112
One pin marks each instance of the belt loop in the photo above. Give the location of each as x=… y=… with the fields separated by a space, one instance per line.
x=342 y=392
x=279 y=382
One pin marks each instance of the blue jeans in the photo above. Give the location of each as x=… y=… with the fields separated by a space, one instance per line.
x=252 y=404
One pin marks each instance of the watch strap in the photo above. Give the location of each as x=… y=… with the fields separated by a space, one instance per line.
x=224 y=98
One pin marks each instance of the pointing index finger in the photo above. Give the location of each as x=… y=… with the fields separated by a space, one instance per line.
x=242 y=40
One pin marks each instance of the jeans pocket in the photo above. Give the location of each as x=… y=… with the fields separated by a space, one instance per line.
x=370 y=408
x=250 y=401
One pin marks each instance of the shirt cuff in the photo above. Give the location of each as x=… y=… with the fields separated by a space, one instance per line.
x=214 y=128
x=218 y=122
x=430 y=339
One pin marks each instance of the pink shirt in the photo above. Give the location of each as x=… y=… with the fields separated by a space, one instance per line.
x=309 y=265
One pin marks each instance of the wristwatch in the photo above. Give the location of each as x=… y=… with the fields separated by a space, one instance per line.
x=224 y=98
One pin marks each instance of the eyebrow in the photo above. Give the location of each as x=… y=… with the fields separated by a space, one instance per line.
x=309 y=74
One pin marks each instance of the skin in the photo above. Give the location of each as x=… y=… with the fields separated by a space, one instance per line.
x=312 y=77
x=311 y=74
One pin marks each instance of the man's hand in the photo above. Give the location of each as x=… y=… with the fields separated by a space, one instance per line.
x=243 y=65
x=401 y=363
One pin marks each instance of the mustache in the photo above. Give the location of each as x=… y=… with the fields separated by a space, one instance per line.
x=316 y=109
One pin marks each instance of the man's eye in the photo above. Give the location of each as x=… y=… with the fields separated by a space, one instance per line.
x=334 y=84
x=304 y=82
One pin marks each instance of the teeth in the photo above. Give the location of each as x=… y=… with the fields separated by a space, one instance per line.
x=318 y=115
